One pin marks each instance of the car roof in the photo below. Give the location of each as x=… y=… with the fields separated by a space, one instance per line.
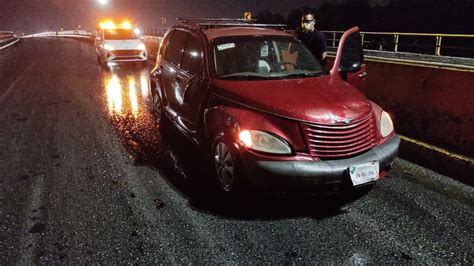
x=216 y=32
x=213 y=33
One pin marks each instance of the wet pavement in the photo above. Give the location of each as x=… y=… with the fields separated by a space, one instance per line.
x=86 y=177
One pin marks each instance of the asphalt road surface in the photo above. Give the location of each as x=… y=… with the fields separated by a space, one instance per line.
x=85 y=177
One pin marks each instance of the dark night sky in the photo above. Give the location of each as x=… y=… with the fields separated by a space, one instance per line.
x=41 y=15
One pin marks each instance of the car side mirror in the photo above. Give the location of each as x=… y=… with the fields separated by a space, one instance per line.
x=350 y=54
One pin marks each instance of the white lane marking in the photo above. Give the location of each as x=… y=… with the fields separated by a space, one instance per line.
x=29 y=240
x=15 y=82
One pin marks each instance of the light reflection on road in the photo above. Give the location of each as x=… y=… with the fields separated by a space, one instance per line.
x=127 y=92
x=114 y=95
x=133 y=96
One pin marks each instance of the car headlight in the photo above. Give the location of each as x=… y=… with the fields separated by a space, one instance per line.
x=141 y=46
x=264 y=142
x=386 y=124
x=108 y=47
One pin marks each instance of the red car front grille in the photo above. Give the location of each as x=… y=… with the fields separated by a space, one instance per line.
x=340 y=140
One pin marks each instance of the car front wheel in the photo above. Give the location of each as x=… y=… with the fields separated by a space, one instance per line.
x=226 y=165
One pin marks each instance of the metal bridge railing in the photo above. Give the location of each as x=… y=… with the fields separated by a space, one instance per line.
x=461 y=45
x=155 y=31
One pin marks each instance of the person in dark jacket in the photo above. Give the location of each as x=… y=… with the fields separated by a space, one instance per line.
x=312 y=38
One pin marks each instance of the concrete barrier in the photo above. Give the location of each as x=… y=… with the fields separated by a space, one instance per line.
x=431 y=101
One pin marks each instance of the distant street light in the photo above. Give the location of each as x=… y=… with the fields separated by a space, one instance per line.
x=103 y=2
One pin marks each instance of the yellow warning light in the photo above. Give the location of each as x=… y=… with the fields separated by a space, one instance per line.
x=127 y=25
x=107 y=25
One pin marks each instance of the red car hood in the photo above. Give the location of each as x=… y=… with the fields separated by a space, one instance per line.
x=324 y=99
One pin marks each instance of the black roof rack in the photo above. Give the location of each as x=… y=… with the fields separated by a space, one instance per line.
x=226 y=22
x=201 y=20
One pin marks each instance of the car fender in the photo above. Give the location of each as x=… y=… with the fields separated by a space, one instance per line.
x=230 y=120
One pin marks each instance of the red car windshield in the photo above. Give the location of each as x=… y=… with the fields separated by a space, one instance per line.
x=263 y=57
x=119 y=34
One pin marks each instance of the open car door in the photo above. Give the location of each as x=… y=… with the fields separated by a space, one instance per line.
x=349 y=62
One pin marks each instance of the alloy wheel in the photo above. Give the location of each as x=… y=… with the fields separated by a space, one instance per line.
x=224 y=164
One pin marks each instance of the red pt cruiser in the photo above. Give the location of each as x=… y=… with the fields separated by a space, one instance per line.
x=259 y=104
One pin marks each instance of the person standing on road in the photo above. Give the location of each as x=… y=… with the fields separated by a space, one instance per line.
x=312 y=38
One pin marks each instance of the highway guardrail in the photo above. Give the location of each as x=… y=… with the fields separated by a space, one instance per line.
x=7 y=39
x=64 y=33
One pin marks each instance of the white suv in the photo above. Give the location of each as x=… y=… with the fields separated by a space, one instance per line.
x=119 y=43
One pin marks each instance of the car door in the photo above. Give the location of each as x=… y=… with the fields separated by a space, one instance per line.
x=349 y=60
x=171 y=75
x=170 y=70
x=192 y=87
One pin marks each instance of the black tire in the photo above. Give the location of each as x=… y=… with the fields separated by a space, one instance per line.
x=226 y=166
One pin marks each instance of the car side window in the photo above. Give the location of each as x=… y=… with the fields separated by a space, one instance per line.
x=165 y=42
x=192 y=56
x=174 y=49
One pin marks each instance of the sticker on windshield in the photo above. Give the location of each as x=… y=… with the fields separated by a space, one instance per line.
x=225 y=46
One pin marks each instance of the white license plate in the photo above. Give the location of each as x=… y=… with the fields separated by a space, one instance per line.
x=364 y=173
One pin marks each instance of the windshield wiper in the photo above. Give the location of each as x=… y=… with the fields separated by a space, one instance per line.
x=303 y=75
x=243 y=76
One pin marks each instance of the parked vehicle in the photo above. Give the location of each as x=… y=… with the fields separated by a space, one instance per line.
x=119 y=43
x=257 y=102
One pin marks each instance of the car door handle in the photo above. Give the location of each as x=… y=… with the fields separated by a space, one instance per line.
x=363 y=75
